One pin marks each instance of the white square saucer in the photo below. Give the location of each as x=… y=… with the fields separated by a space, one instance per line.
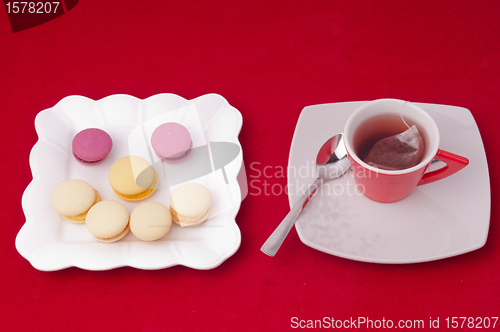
x=438 y=220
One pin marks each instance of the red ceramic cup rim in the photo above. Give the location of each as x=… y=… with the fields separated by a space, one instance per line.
x=393 y=106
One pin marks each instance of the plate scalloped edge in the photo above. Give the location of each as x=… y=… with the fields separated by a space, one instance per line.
x=59 y=265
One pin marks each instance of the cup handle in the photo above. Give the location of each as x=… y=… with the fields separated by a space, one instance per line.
x=453 y=162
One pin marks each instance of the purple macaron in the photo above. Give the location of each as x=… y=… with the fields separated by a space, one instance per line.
x=171 y=142
x=91 y=146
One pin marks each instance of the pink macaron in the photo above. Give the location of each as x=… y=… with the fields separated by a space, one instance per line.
x=91 y=146
x=171 y=142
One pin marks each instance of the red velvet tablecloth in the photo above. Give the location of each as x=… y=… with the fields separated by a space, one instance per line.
x=269 y=59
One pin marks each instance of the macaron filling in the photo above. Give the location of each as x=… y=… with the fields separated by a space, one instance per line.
x=186 y=221
x=142 y=195
x=116 y=237
x=87 y=161
x=177 y=157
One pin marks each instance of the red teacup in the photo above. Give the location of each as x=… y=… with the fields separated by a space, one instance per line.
x=387 y=186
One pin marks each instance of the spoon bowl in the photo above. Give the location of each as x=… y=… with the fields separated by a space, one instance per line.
x=331 y=163
x=332 y=160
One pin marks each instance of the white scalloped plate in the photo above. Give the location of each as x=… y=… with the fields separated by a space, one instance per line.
x=438 y=220
x=50 y=243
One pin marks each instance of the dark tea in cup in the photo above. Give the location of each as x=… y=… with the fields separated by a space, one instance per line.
x=389 y=142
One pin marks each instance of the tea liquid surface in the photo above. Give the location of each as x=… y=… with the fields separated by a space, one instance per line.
x=374 y=129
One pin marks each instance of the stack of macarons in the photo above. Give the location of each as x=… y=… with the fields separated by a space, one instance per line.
x=133 y=179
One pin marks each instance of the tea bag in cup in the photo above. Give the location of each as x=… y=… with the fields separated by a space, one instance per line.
x=397 y=152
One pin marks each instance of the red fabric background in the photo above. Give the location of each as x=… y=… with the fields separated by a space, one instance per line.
x=269 y=59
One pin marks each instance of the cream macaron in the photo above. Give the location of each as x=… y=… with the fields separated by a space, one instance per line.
x=108 y=221
x=73 y=198
x=133 y=178
x=190 y=204
x=150 y=221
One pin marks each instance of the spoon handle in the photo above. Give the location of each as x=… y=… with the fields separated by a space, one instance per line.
x=274 y=242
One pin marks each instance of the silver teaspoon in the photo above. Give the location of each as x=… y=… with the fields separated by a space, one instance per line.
x=331 y=163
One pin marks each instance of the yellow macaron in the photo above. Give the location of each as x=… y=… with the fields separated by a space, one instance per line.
x=72 y=199
x=133 y=178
